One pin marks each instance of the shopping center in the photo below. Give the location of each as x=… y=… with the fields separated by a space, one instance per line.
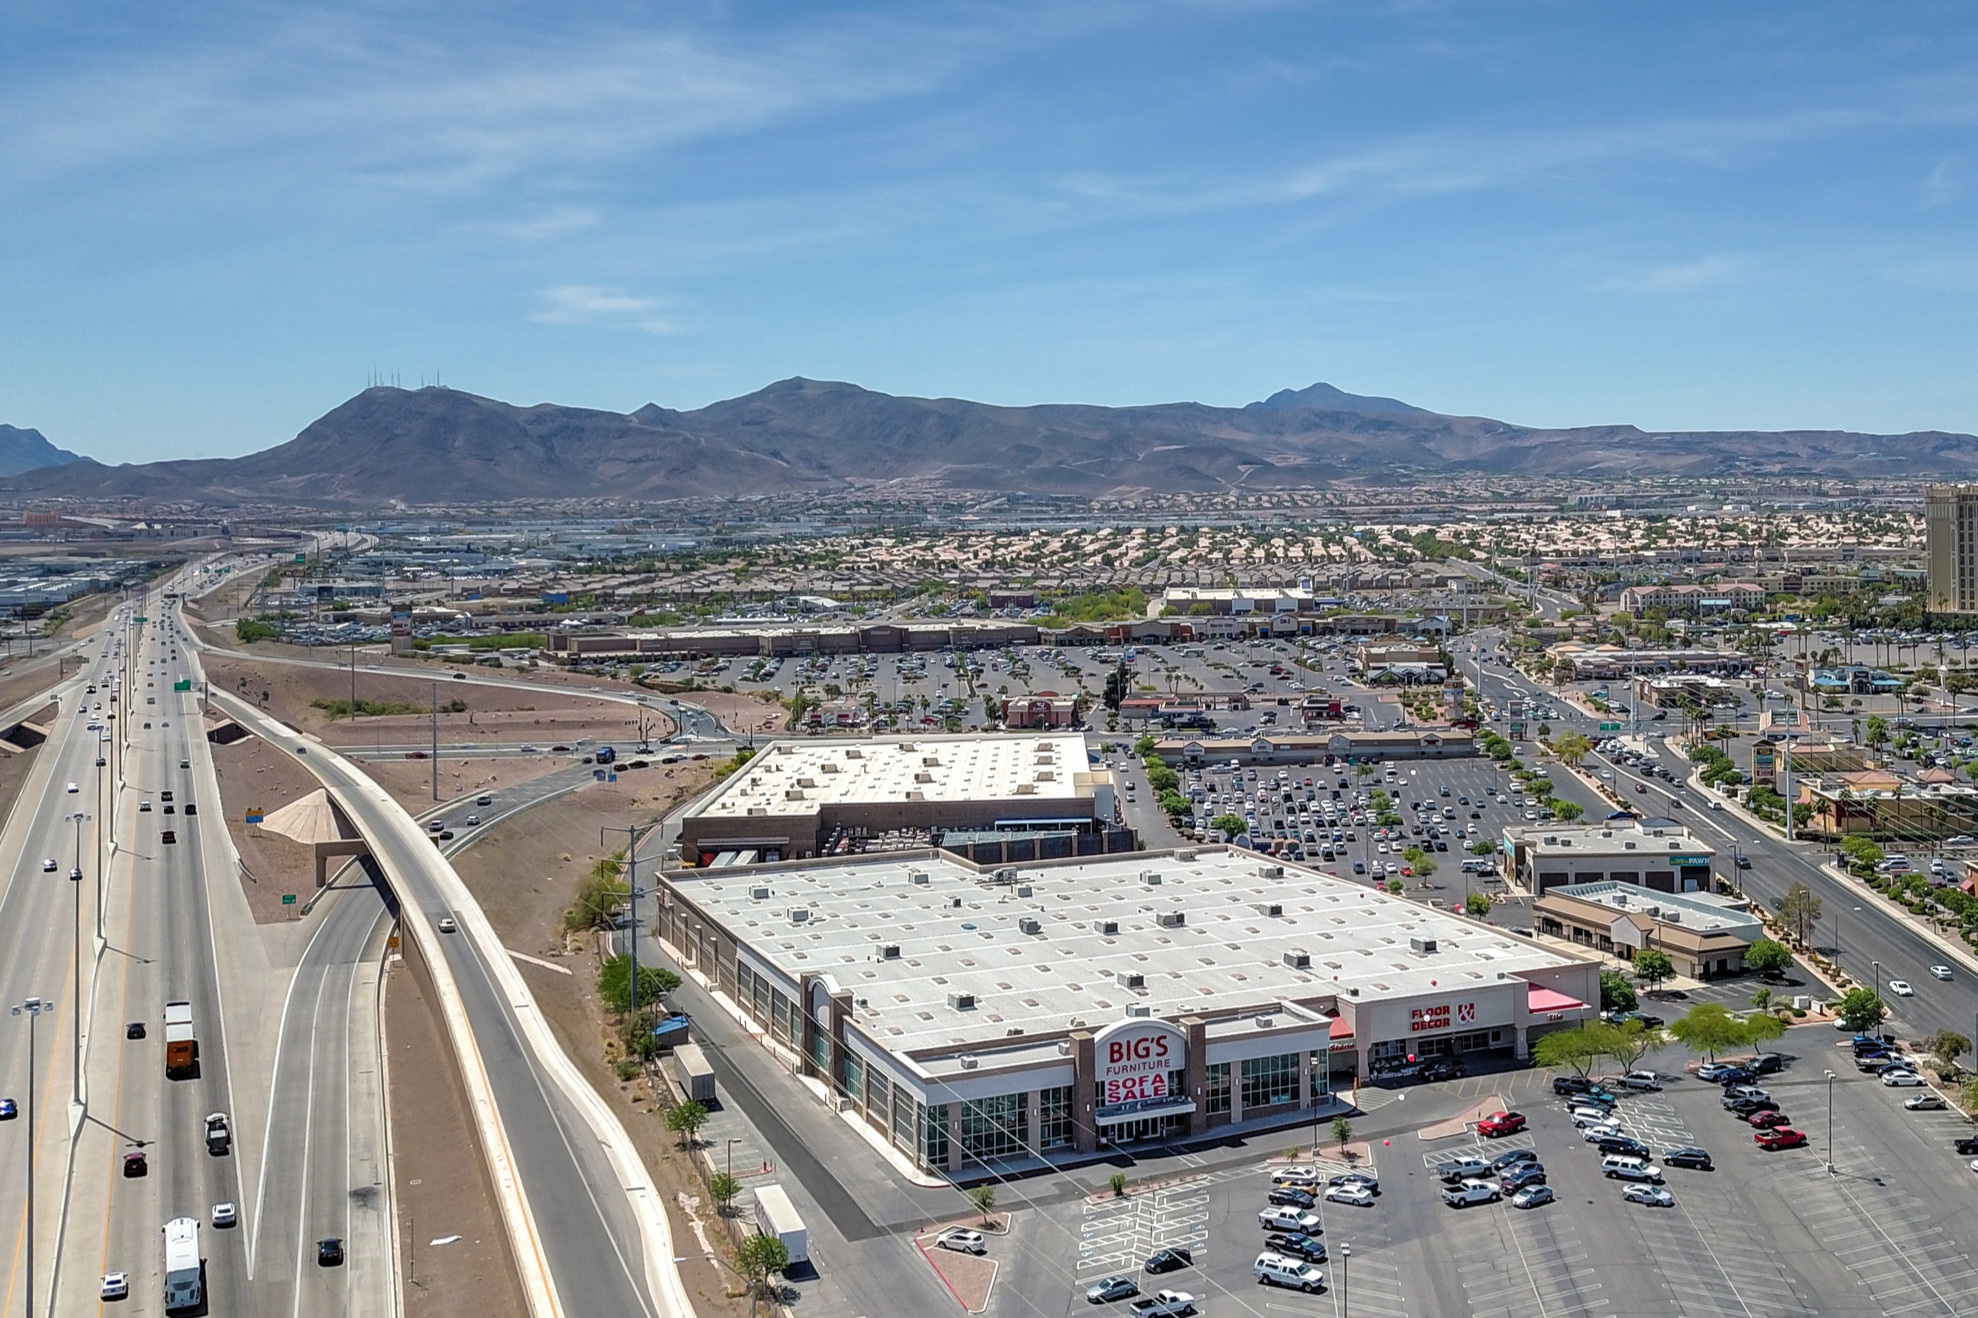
x=972 y=1015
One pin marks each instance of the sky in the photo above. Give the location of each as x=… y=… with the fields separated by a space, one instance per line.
x=220 y=220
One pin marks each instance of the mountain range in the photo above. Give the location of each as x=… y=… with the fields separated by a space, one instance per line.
x=27 y=450
x=437 y=446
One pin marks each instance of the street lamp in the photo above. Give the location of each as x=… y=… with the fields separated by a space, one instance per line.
x=1830 y=1123
x=1875 y=976
x=32 y=1008
x=733 y=1140
x=1345 y=1257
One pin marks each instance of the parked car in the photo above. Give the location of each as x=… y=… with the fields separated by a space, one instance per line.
x=1925 y=1103
x=1462 y=1169
x=1623 y=1144
x=1169 y=1260
x=1289 y=1219
x=962 y=1241
x=1693 y=1158
x=1895 y=1077
x=1764 y=1119
x=1310 y=1248
x=1714 y=1071
x=1368 y=1179
x=1652 y=1196
x=1783 y=1137
x=1107 y=1289
x=1352 y=1194
x=1524 y=1174
x=1290 y=1196
x=1532 y=1196
x=1499 y=1124
x=1505 y=1161
x=1471 y=1192
x=1305 y=1177
x=1642 y=1081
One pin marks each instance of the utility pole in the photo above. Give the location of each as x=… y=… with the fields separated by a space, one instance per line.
x=436 y=741
x=631 y=832
x=75 y=882
x=32 y=1008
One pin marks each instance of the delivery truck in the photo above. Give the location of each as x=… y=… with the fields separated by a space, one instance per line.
x=181 y=1049
x=776 y=1216
x=692 y=1073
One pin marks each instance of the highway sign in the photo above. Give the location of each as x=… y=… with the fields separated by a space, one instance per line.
x=1610 y=727
x=183 y=684
x=254 y=814
x=288 y=899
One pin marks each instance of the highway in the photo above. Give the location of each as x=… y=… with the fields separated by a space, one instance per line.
x=591 y=1247
x=1865 y=935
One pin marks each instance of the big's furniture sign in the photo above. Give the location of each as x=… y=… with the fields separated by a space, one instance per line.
x=1135 y=1057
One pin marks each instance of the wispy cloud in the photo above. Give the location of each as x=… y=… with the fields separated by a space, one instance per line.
x=1703 y=271
x=592 y=304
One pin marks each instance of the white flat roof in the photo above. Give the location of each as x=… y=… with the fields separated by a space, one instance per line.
x=801 y=777
x=960 y=932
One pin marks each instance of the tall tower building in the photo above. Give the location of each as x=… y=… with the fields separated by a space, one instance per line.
x=1950 y=517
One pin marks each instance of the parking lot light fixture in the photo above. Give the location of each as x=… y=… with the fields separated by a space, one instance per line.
x=1830 y=1123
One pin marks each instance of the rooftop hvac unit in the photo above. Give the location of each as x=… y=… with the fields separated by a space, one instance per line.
x=956 y=903
x=1270 y=908
x=1673 y=916
x=1007 y=874
x=1151 y=878
x=1064 y=1047
x=1139 y=1009
x=1270 y=871
x=799 y=914
x=1013 y=1031
x=917 y=876
x=1135 y=980
x=1298 y=960
x=759 y=894
x=968 y=1061
x=1030 y=924
x=1266 y=1022
x=1627 y=846
x=890 y=952
x=1173 y=919
x=1424 y=946
x=962 y=1001
x=1024 y=891
x=1109 y=927
x=1620 y=899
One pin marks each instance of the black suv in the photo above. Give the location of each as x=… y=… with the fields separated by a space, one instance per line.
x=1505 y=1161
x=1695 y=1159
x=1767 y=1063
x=1290 y=1196
x=1571 y=1084
x=1744 y=1107
x=1634 y=1148
x=1967 y=1146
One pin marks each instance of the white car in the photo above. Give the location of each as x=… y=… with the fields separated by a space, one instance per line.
x=1654 y=1196
x=1605 y=1130
x=447 y=924
x=225 y=1215
x=1925 y=1103
x=48 y=865
x=1288 y=1219
x=1893 y=1078
x=116 y=1286
x=1592 y=1116
x=1901 y=988
x=1295 y=1175
x=962 y=1240
x=1359 y=1196
x=1940 y=972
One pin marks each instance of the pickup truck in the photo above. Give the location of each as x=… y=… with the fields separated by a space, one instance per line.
x=219 y=1138
x=1471 y=1192
x=1163 y=1304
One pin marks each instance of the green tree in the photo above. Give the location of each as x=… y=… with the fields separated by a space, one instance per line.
x=724 y=1188
x=1762 y=1028
x=1342 y=1134
x=1574 y=1050
x=600 y=895
x=1230 y=825
x=1878 y=729
x=615 y=983
x=1394 y=886
x=1768 y=957
x=1762 y=999
x=1653 y=966
x=984 y=1199
x=1628 y=1042
x=1567 y=811
x=1707 y=1028
x=1800 y=908
x=686 y=1120
x=1862 y=1009
x=1572 y=748
x=759 y=1258
x=1616 y=993
x=1477 y=904
x=1946 y=1046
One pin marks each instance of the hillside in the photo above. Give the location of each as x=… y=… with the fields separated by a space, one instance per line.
x=27 y=450
x=441 y=446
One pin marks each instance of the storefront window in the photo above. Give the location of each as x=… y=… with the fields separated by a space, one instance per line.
x=934 y=1134
x=1218 y=1095
x=878 y=1095
x=1321 y=1080
x=854 y=1077
x=1054 y=1118
x=783 y=1017
x=996 y=1127
x=906 y=1112
x=1270 y=1080
x=820 y=1047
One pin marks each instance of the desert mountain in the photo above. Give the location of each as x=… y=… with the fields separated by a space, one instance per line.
x=27 y=450
x=441 y=446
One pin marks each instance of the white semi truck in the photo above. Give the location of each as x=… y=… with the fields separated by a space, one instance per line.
x=185 y=1271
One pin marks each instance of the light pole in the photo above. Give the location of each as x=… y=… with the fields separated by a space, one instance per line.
x=1875 y=976
x=75 y=882
x=1345 y=1257
x=631 y=832
x=32 y=1008
x=733 y=1140
x=1830 y=1123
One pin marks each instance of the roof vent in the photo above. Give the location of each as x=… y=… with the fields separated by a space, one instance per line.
x=1673 y=916
x=1024 y=891
x=1627 y=846
x=890 y=952
x=794 y=794
x=1269 y=908
x=968 y=1061
x=1270 y=871
x=1030 y=924
x=1266 y=1022
x=962 y=1001
x=1298 y=960
x=799 y=914
x=1109 y=927
x=1138 y=1009
x=1064 y=1047
x=956 y=903
x=1133 y=981
x=917 y=876
x=1007 y=874
x=1173 y=919
x=759 y=894
x=1013 y=1031
x=1151 y=878
x=1422 y=946
x=1620 y=899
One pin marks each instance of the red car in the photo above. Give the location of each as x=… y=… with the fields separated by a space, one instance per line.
x=1501 y=1123
x=1763 y=1120
x=1781 y=1137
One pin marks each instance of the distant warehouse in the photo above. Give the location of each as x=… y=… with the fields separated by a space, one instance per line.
x=1001 y=797
x=777 y=642
x=1318 y=748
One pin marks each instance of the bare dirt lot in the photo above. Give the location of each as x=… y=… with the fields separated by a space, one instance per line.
x=440 y=1189
x=524 y=873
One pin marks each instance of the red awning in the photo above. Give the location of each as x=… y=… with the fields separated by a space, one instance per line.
x=1545 y=999
x=1341 y=1028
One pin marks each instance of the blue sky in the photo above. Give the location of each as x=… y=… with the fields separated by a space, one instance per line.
x=219 y=219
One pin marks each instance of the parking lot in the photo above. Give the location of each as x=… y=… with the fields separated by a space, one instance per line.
x=1764 y=1235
